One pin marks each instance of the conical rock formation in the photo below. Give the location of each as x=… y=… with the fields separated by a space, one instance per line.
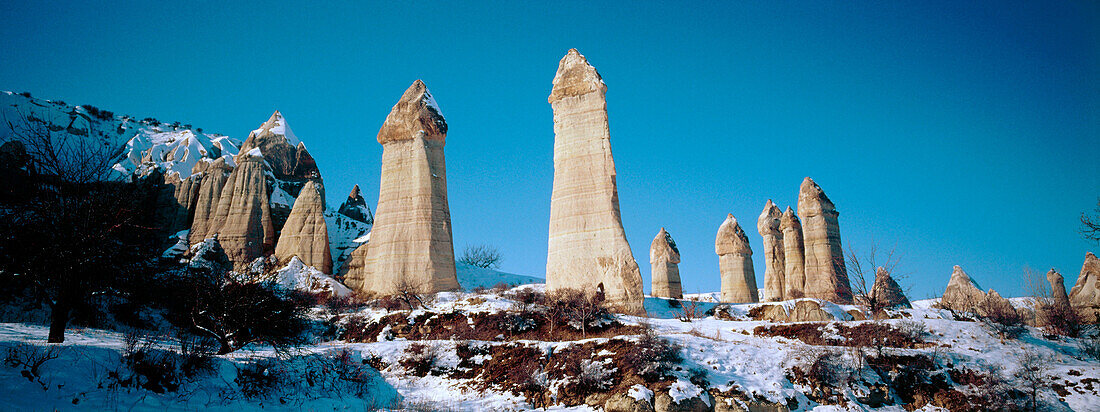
x=1057 y=288
x=768 y=224
x=355 y=207
x=794 y=253
x=735 y=263
x=282 y=149
x=243 y=215
x=587 y=249
x=665 y=272
x=962 y=293
x=305 y=234
x=215 y=175
x=886 y=291
x=1085 y=294
x=410 y=244
x=826 y=275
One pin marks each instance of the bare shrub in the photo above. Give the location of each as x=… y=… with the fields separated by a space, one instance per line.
x=1032 y=375
x=1090 y=345
x=526 y=298
x=339 y=374
x=259 y=379
x=1051 y=315
x=482 y=256
x=409 y=293
x=31 y=358
x=689 y=310
x=915 y=330
x=581 y=310
x=653 y=357
x=1090 y=224
x=589 y=376
x=1002 y=318
x=860 y=268
x=420 y=359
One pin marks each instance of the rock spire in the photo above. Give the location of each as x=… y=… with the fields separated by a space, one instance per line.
x=243 y=215
x=287 y=155
x=1057 y=288
x=355 y=207
x=768 y=224
x=794 y=269
x=663 y=260
x=1085 y=293
x=305 y=234
x=587 y=248
x=826 y=275
x=410 y=243
x=887 y=292
x=735 y=263
x=215 y=175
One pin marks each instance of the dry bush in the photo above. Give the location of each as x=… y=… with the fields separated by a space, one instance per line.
x=689 y=310
x=339 y=374
x=420 y=359
x=409 y=293
x=259 y=379
x=1002 y=318
x=31 y=358
x=867 y=334
x=1054 y=317
x=1032 y=375
x=482 y=256
x=653 y=357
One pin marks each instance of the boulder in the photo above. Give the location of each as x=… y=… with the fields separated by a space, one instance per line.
x=735 y=263
x=663 y=260
x=887 y=292
x=768 y=225
x=587 y=248
x=243 y=215
x=305 y=234
x=623 y=402
x=801 y=310
x=794 y=253
x=356 y=208
x=826 y=275
x=410 y=243
x=1058 y=288
x=664 y=403
x=215 y=174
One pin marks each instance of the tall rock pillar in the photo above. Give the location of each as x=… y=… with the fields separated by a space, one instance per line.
x=663 y=260
x=794 y=254
x=826 y=275
x=305 y=234
x=735 y=263
x=587 y=249
x=410 y=243
x=768 y=224
x=243 y=216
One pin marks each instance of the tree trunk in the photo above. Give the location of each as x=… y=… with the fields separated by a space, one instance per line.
x=59 y=319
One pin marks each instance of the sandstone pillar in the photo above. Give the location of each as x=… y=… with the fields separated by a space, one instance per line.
x=243 y=217
x=735 y=263
x=768 y=224
x=305 y=234
x=663 y=260
x=794 y=253
x=826 y=275
x=587 y=248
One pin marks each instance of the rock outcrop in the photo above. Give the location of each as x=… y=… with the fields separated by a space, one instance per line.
x=587 y=249
x=286 y=155
x=1085 y=294
x=964 y=295
x=794 y=253
x=410 y=244
x=886 y=292
x=215 y=175
x=1058 y=288
x=826 y=275
x=243 y=215
x=305 y=234
x=355 y=207
x=665 y=273
x=735 y=263
x=768 y=224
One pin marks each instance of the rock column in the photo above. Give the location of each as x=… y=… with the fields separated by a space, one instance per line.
x=215 y=175
x=587 y=248
x=826 y=275
x=735 y=263
x=243 y=217
x=305 y=234
x=768 y=224
x=794 y=269
x=663 y=260
x=410 y=243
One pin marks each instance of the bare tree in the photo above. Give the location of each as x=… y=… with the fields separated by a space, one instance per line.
x=71 y=236
x=1090 y=224
x=1051 y=314
x=482 y=256
x=862 y=267
x=1032 y=374
x=409 y=292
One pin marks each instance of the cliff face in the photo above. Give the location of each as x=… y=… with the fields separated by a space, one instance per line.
x=587 y=249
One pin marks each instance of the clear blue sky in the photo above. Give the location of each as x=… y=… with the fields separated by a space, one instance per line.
x=956 y=132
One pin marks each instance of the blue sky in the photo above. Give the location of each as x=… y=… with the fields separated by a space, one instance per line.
x=954 y=132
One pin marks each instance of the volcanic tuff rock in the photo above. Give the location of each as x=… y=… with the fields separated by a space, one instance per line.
x=587 y=249
x=768 y=224
x=305 y=234
x=962 y=293
x=887 y=292
x=794 y=269
x=1057 y=288
x=243 y=215
x=1085 y=293
x=356 y=208
x=735 y=263
x=411 y=239
x=215 y=174
x=663 y=260
x=282 y=150
x=826 y=275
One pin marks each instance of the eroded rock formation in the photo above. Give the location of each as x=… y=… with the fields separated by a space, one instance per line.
x=355 y=207
x=964 y=295
x=1057 y=288
x=663 y=261
x=768 y=224
x=215 y=174
x=886 y=291
x=286 y=155
x=735 y=263
x=587 y=246
x=243 y=216
x=826 y=275
x=305 y=234
x=794 y=269
x=410 y=244
x=1085 y=293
